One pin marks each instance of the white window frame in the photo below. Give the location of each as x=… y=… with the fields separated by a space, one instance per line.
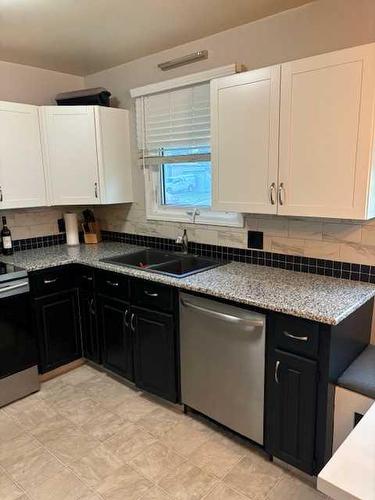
x=155 y=209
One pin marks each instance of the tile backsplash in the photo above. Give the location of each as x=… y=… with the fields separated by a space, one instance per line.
x=35 y=222
x=333 y=239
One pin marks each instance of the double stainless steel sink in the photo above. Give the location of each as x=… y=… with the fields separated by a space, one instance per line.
x=168 y=263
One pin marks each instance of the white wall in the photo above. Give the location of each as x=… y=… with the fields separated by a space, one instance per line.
x=20 y=83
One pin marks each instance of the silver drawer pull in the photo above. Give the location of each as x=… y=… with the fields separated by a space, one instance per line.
x=112 y=283
x=88 y=278
x=151 y=294
x=277 y=365
x=48 y=282
x=295 y=337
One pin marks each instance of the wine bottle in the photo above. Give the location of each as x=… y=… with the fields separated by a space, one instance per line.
x=6 y=238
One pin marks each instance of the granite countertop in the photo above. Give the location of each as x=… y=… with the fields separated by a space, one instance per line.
x=319 y=298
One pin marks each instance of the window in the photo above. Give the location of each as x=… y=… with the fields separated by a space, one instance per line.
x=173 y=130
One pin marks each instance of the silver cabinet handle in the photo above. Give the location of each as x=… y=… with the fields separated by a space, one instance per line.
x=281 y=193
x=277 y=365
x=96 y=189
x=88 y=278
x=13 y=287
x=1 y=193
x=92 y=310
x=132 y=326
x=151 y=294
x=48 y=282
x=126 y=322
x=272 y=193
x=112 y=283
x=295 y=337
x=223 y=316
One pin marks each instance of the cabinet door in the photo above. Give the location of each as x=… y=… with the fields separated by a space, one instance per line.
x=72 y=161
x=326 y=133
x=291 y=409
x=57 y=323
x=244 y=139
x=90 y=339
x=154 y=352
x=22 y=181
x=114 y=315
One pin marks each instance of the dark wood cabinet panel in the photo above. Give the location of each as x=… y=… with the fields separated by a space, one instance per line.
x=114 y=318
x=90 y=338
x=58 y=332
x=291 y=409
x=155 y=352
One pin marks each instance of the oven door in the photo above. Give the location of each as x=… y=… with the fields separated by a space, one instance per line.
x=18 y=350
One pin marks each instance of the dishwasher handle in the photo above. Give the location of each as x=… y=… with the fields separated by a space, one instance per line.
x=223 y=316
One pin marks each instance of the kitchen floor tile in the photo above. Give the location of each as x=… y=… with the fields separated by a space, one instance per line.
x=187 y=436
x=291 y=488
x=34 y=467
x=135 y=407
x=160 y=420
x=124 y=484
x=156 y=493
x=254 y=476
x=217 y=456
x=63 y=486
x=94 y=467
x=130 y=441
x=103 y=424
x=9 y=428
x=156 y=461
x=13 y=451
x=223 y=492
x=8 y=489
x=187 y=482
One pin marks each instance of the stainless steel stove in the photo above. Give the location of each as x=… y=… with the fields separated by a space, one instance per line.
x=18 y=347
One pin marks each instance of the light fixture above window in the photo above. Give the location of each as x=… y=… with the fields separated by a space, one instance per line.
x=181 y=61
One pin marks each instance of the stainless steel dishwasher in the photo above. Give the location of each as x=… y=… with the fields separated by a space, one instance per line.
x=222 y=363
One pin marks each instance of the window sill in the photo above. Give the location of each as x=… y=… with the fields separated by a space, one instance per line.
x=212 y=219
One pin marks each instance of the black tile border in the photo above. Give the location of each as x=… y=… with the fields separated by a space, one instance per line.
x=323 y=267
x=39 y=242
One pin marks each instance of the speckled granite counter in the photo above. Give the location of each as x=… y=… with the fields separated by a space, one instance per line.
x=327 y=300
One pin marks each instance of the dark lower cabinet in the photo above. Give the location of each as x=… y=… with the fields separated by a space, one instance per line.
x=57 y=322
x=155 y=352
x=291 y=410
x=116 y=335
x=90 y=338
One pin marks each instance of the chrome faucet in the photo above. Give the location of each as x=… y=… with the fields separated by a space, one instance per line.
x=183 y=241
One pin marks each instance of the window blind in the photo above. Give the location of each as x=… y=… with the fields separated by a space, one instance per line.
x=174 y=123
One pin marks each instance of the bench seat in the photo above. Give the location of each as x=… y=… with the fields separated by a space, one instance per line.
x=360 y=375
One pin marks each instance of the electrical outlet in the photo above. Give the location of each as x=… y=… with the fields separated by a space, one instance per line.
x=255 y=239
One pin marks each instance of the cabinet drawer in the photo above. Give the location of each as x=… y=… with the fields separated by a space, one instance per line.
x=113 y=284
x=51 y=281
x=152 y=295
x=296 y=335
x=85 y=278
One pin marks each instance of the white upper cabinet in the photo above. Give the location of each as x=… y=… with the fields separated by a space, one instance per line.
x=87 y=155
x=245 y=128
x=327 y=134
x=22 y=180
x=320 y=156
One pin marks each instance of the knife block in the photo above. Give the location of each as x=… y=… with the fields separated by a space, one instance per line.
x=91 y=233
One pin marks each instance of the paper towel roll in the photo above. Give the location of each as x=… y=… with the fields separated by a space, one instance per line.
x=71 y=228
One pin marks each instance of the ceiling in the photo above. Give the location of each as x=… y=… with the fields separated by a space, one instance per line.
x=85 y=36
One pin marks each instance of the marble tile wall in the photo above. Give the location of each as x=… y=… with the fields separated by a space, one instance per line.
x=34 y=222
x=333 y=239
